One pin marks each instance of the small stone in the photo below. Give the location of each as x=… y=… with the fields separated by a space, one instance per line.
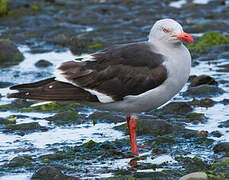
x=216 y=134
x=177 y=107
x=43 y=63
x=5 y=84
x=224 y=124
x=25 y=127
x=203 y=79
x=9 y=53
x=223 y=159
x=204 y=90
x=207 y=102
x=50 y=172
x=221 y=147
x=195 y=176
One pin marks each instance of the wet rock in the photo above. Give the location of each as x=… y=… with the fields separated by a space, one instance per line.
x=65 y=118
x=79 y=46
x=9 y=53
x=109 y=117
x=48 y=157
x=20 y=161
x=43 y=63
x=192 y=164
x=223 y=159
x=224 y=68
x=10 y=120
x=177 y=108
x=206 y=102
x=53 y=106
x=153 y=127
x=16 y=4
x=203 y=79
x=49 y=172
x=221 y=147
x=216 y=134
x=195 y=176
x=224 y=124
x=203 y=90
x=25 y=127
x=196 y=117
x=208 y=40
x=61 y=39
x=5 y=84
x=225 y=101
x=15 y=105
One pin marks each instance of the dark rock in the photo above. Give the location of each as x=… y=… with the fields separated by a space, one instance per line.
x=156 y=127
x=65 y=118
x=195 y=118
x=203 y=90
x=43 y=63
x=16 y=4
x=9 y=120
x=21 y=161
x=5 y=84
x=177 y=108
x=192 y=164
x=9 y=53
x=223 y=68
x=223 y=159
x=221 y=147
x=225 y=101
x=192 y=77
x=203 y=79
x=51 y=173
x=106 y=117
x=206 y=102
x=224 y=124
x=216 y=134
x=25 y=127
x=52 y=156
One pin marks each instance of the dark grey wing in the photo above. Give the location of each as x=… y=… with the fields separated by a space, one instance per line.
x=130 y=69
x=51 y=90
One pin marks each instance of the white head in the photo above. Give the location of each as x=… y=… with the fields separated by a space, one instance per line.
x=169 y=31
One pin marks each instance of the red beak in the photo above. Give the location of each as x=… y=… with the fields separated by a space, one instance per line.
x=184 y=37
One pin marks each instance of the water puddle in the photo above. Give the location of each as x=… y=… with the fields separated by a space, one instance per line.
x=180 y=3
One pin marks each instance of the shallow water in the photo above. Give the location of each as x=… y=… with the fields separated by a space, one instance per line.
x=79 y=134
x=180 y=3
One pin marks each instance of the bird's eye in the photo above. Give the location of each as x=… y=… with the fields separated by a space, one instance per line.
x=166 y=30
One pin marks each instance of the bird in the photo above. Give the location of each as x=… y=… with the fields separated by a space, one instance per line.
x=128 y=78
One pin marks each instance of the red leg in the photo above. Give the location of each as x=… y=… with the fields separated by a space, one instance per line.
x=131 y=123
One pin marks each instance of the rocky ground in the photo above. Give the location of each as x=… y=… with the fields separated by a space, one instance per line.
x=55 y=141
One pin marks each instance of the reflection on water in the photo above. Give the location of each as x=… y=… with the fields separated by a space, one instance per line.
x=180 y=3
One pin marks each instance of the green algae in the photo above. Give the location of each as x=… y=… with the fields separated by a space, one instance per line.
x=53 y=106
x=20 y=161
x=208 y=40
x=65 y=118
x=12 y=119
x=35 y=8
x=3 y=7
x=218 y=171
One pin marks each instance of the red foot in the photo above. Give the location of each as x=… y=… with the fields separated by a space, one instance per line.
x=131 y=123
